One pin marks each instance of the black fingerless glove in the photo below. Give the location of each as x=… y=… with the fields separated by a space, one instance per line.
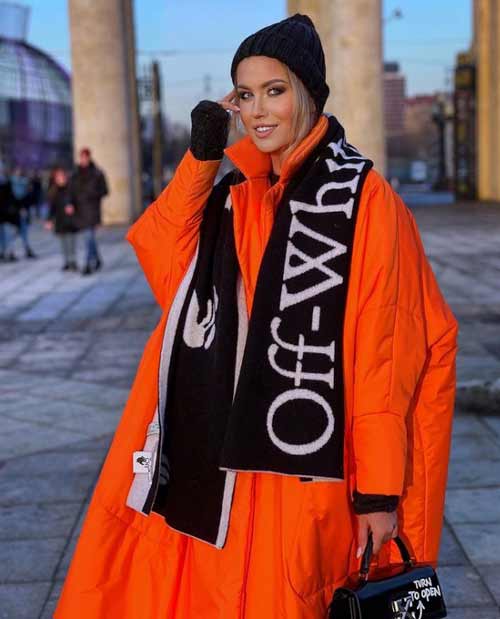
x=369 y=503
x=209 y=130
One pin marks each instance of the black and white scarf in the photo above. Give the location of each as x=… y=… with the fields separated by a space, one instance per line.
x=264 y=395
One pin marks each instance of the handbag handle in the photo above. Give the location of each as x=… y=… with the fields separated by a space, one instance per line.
x=368 y=554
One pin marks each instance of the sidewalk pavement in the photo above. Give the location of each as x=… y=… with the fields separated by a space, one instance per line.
x=69 y=348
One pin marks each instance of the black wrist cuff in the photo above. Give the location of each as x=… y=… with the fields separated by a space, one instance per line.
x=369 y=503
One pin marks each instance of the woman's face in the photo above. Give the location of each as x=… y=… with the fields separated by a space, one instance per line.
x=266 y=102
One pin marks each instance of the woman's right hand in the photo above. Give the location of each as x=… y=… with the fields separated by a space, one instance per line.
x=227 y=101
x=210 y=127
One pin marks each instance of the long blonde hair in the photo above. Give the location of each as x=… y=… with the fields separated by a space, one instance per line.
x=305 y=114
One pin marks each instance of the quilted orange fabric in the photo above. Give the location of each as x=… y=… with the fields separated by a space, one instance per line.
x=289 y=543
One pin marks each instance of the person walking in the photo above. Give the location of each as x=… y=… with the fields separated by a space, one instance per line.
x=8 y=217
x=37 y=195
x=89 y=186
x=20 y=186
x=297 y=393
x=62 y=217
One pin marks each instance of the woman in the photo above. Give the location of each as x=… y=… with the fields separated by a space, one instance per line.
x=243 y=480
x=62 y=217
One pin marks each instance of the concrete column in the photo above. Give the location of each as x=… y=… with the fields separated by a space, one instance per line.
x=351 y=33
x=105 y=111
x=487 y=54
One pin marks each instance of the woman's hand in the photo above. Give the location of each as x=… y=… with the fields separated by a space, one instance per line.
x=227 y=101
x=210 y=127
x=383 y=525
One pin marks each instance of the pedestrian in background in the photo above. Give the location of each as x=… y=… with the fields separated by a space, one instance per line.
x=88 y=188
x=36 y=193
x=8 y=217
x=20 y=186
x=62 y=216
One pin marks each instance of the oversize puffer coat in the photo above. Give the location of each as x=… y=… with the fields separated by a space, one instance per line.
x=290 y=544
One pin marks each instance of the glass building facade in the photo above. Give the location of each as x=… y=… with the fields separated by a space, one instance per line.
x=35 y=99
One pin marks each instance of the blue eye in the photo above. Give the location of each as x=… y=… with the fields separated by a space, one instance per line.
x=277 y=91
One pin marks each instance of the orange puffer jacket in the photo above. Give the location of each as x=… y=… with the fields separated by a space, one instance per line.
x=290 y=544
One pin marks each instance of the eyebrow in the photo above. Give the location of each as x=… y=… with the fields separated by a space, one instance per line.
x=264 y=84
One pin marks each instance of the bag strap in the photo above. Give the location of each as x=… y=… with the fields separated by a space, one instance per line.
x=368 y=554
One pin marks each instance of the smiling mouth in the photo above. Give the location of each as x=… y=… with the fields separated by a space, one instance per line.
x=262 y=131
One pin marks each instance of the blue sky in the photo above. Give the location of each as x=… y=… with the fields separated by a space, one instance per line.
x=205 y=33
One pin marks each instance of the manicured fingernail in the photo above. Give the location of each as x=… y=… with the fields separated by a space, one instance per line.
x=359 y=553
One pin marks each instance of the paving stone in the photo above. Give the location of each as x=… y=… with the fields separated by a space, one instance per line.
x=478 y=612
x=481 y=542
x=37 y=521
x=19 y=442
x=473 y=505
x=29 y=560
x=50 y=606
x=49 y=462
x=65 y=346
x=450 y=552
x=494 y=424
x=107 y=323
x=474 y=448
x=114 y=374
x=462 y=586
x=50 y=307
x=23 y=600
x=488 y=372
x=480 y=474
x=491 y=576
x=109 y=343
x=100 y=445
x=12 y=425
x=468 y=425
x=84 y=392
x=52 y=487
x=143 y=320
x=85 y=419
x=13 y=380
x=69 y=551
x=10 y=350
x=16 y=399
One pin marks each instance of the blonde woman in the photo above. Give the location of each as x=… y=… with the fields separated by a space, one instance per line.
x=297 y=393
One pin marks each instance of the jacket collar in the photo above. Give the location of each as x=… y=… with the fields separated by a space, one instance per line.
x=253 y=163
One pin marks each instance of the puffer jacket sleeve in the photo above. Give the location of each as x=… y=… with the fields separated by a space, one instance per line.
x=405 y=332
x=165 y=236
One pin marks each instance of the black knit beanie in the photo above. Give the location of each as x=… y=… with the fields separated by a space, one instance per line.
x=295 y=42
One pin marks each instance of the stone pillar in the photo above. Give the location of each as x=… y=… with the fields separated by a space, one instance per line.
x=487 y=56
x=351 y=33
x=105 y=109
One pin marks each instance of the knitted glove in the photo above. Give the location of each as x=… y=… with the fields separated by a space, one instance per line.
x=209 y=130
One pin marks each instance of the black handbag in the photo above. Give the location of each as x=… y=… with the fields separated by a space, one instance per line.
x=407 y=591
